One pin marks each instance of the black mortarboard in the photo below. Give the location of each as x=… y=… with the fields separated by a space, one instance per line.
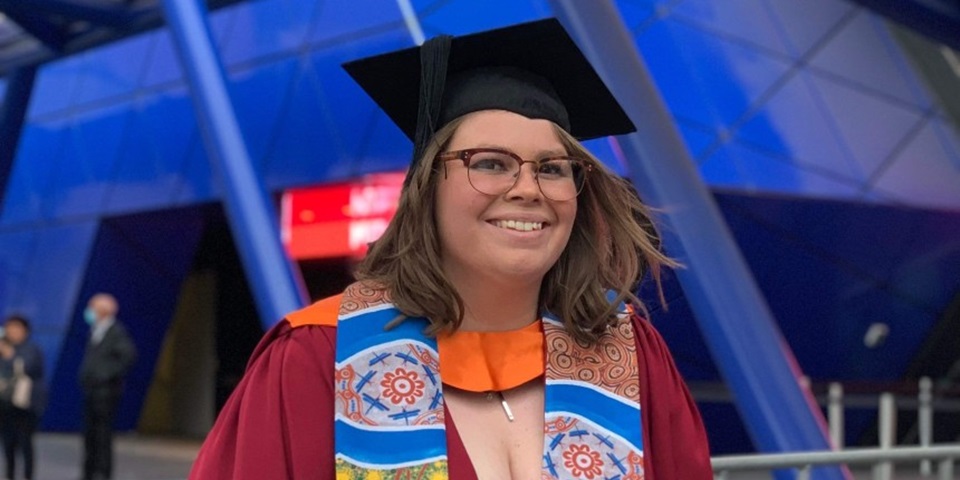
x=534 y=69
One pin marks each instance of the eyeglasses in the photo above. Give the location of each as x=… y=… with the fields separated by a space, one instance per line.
x=494 y=172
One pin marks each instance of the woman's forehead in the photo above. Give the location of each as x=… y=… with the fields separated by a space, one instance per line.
x=508 y=130
x=14 y=325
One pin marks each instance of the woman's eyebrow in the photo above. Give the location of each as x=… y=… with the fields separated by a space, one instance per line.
x=550 y=152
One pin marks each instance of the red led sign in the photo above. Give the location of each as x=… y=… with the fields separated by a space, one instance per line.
x=338 y=220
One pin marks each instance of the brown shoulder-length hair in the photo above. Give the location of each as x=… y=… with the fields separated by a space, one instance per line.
x=612 y=245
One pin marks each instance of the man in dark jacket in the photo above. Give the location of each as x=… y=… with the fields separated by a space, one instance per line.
x=109 y=356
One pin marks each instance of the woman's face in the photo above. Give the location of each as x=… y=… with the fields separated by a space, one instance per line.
x=476 y=234
x=15 y=332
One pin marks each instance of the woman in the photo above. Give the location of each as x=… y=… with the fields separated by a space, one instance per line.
x=487 y=337
x=20 y=357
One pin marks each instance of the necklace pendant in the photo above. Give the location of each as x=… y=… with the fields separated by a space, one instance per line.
x=503 y=403
x=506 y=407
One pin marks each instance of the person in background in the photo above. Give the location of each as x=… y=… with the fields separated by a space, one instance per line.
x=109 y=355
x=21 y=410
x=493 y=332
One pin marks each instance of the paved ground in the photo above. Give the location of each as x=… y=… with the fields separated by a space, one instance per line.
x=137 y=457
x=152 y=458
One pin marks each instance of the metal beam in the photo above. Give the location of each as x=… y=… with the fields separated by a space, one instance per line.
x=117 y=17
x=13 y=110
x=75 y=42
x=35 y=25
x=276 y=285
x=737 y=323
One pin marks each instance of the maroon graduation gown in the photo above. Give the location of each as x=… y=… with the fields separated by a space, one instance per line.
x=278 y=423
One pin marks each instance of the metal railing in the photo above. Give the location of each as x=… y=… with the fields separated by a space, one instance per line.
x=881 y=459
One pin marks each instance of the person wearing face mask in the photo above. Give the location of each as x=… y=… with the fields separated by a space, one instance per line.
x=20 y=357
x=109 y=355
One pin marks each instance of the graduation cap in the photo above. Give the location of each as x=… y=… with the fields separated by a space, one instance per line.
x=533 y=69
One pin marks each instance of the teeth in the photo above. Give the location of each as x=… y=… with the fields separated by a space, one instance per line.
x=520 y=226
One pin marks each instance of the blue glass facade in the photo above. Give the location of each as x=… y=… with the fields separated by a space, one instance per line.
x=807 y=115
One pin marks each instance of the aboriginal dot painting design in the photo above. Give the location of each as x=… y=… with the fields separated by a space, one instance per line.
x=592 y=423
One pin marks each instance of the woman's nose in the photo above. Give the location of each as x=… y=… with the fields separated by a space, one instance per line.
x=526 y=185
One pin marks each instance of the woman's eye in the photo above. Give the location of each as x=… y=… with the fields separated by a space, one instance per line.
x=554 y=169
x=492 y=164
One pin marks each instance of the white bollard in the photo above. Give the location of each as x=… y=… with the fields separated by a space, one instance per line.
x=835 y=414
x=925 y=421
x=888 y=431
x=946 y=469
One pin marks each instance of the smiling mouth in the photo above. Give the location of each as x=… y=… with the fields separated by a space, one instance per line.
x=519 y=226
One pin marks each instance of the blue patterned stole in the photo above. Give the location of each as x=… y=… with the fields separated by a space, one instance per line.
x=389 y=398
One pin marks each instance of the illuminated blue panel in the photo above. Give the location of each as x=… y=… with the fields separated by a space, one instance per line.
x=330 y=126
x=636 y=14
x=19 y=248
x=162 y=64
x=805 y=24
x=15 y=96
x=704 y=79
x=742 y=167
x=380 y=149
x=871 y=126
x=38 y=152
x=50 y=285
x=368 y=139
x=221 y=24
x=111 y=70
x=698 y=138
x=270 y=27
x=864 y=52
x=342 y=24
x=744 y=20
x=57 y=267
x=609 y=154
x=55 y=86
x=153 y=152
x=319 y=123
x=84 y=169
x=794 y=125
x=927 y=169
x=258 y=119
x=196 y=185
x=305 y=148
x=467 y=16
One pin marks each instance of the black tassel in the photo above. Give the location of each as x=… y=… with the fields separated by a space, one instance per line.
x=434 y=56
